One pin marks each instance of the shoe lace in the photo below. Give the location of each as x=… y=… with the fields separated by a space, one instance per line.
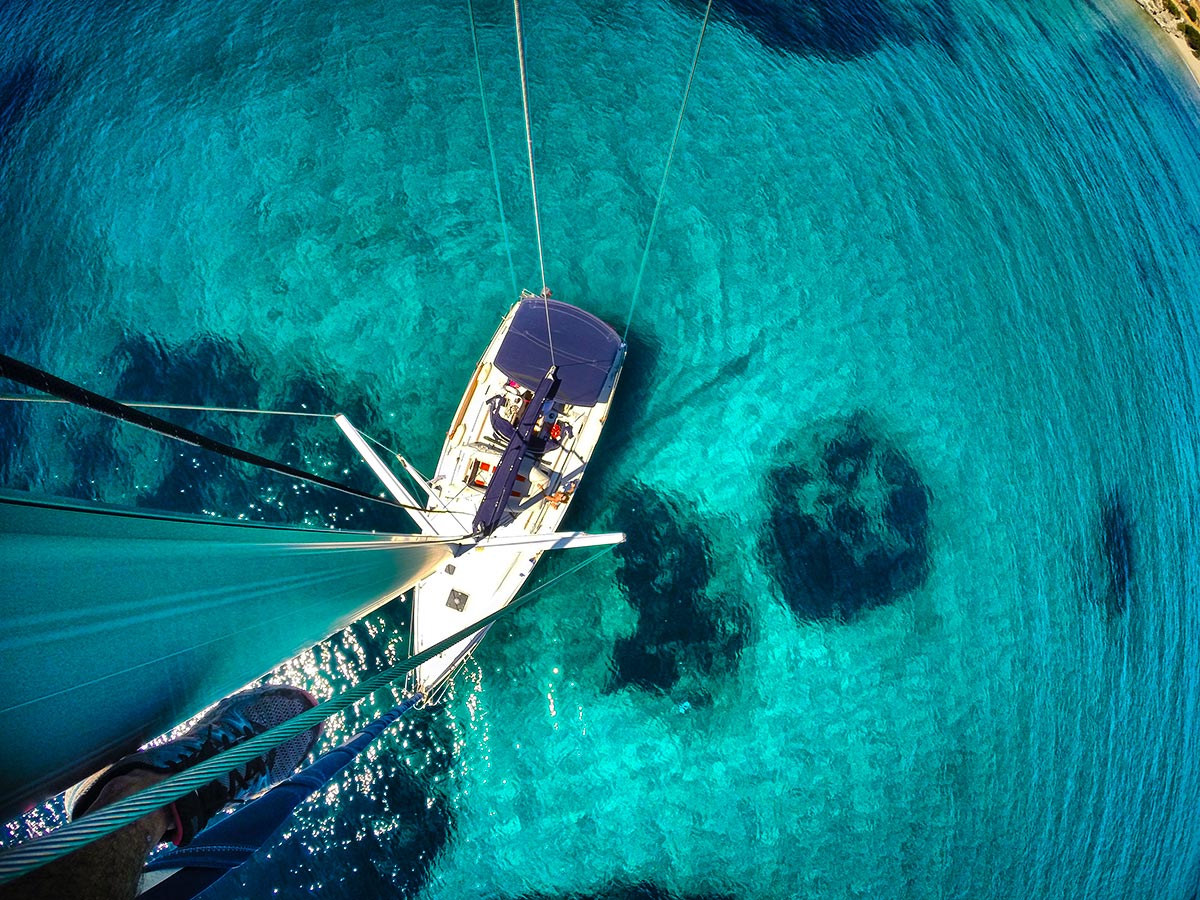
x=216 y=740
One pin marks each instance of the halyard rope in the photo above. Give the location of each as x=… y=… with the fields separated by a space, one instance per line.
x=537 y=217
x=512 y=274
x=23 y=858
x=637 y=285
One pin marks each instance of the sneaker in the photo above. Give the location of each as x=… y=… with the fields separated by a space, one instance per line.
x=233 y=720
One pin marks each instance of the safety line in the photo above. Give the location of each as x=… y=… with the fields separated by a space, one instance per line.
x=512 y=273
x=37 y=852
x=637 y=286
x=29 y=398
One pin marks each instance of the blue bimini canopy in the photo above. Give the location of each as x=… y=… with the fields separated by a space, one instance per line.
x=585 y=350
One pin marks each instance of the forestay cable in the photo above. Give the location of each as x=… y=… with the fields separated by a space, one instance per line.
x=37 y=852
x=637 y=285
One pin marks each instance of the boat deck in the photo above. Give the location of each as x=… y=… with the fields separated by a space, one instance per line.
x=485 y=578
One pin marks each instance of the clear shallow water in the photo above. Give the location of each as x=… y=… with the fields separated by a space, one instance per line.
x=961 y=230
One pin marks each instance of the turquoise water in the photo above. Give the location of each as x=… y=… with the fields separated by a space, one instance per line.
x=964 y=230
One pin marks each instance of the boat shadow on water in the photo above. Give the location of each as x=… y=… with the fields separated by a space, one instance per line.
x=1110 y=560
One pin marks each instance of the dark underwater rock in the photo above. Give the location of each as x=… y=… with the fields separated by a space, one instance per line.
x=205 y=371
x=14 y=426
x=315 y=391
x=835 y=29
x=664 y=569
x=638 y=664
x=25 y=89
x=1116 y=547
x=209 y=370
x=851 y=537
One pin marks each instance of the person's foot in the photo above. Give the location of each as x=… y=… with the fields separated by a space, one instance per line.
x=233 y=720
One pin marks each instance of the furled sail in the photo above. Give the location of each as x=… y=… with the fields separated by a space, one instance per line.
x=120 y=624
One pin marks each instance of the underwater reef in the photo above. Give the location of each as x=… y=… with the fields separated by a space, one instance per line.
x=14 y=425
x=849 y=527
x=26 y=88
x=664 y=568
x=834 y=30
x=1116 y=548
x=208 y=370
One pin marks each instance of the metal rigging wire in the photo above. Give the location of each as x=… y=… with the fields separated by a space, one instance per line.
x=662 y=187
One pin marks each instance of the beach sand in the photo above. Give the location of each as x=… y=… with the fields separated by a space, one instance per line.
x=1158 y=11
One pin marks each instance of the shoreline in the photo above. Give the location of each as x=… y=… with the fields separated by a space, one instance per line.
x=1168 y=22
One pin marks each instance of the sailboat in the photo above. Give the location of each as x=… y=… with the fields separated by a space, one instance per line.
x=514 y=456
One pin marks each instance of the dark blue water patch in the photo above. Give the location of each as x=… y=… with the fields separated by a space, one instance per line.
x=381 y=842
x=201 y=482
x=313 y=389
x=664 y=568
x=625 y=426
x=835 y=30
x=314 y=386
x=198 y=481
x=206 y=370
x=26 y=87
x=15 y=420
x=212 y=371
x=642 y=890
x=848 y=528
x=1116 y=541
